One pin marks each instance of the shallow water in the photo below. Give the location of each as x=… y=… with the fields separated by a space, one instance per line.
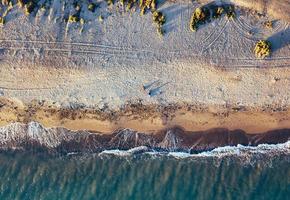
x=225 y=173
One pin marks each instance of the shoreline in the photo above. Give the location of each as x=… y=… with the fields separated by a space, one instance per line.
x=147 y=118
x=36 y=138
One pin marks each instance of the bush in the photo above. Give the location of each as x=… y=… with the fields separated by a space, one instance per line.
x=262 y=49
x=73 y=19
x=218 y=11
x=268 y=24
x=159 y=19
x=230 y=10
x=147 y=5
x=198 y=17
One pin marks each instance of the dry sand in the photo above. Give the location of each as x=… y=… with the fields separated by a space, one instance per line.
x=277 y=8
x=86 y=72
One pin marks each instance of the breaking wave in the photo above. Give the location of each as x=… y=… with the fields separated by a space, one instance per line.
x=174 y=142
x=240 y=151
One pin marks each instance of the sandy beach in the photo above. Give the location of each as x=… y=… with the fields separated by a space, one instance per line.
x=148 y=118
x=115 y=71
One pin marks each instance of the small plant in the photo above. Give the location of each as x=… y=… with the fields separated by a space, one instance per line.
x=160 y=31
x=21 y=3
x=230 y=11
x=82 y=21
x=92 y=7
x=147 y=5
x=73 y=19
x=101 y=18
x=78 y=7
x=130 y=4
x=2 y=21
x=159 y=19
x=268 y=24
x=29 y=7
x=43 y=8
x=218 y=12
x=110 y=2
x=198 y=17
x=262 y=49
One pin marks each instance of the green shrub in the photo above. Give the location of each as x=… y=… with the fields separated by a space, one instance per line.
x=73 y=19
x=262 y=49
x=159 y=19
x=230 y=11
x=218 y=11
x=198 y=17
x=147 y=5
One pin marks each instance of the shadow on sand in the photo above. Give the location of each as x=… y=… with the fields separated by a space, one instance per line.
x=280 y=39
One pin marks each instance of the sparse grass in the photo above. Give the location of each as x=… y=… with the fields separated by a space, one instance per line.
x=262 y=49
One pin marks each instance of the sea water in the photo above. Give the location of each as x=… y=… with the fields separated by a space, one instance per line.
x=241 y=172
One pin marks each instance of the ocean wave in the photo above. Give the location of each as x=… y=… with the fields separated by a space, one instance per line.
x=214 y=142
x=237 y=151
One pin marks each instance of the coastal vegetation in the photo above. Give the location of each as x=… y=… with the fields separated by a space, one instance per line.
x=204 y=14
x=159 y=20
x=92 y=7
x=198 y=17
x=2 y=21
x=73 y=19
x=262 y=49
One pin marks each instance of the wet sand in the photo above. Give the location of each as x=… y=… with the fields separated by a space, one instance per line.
x=147 y=118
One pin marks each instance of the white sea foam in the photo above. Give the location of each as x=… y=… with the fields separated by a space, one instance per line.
x=239 y=151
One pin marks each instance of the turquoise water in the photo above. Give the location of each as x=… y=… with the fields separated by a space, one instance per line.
x=144 y=176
